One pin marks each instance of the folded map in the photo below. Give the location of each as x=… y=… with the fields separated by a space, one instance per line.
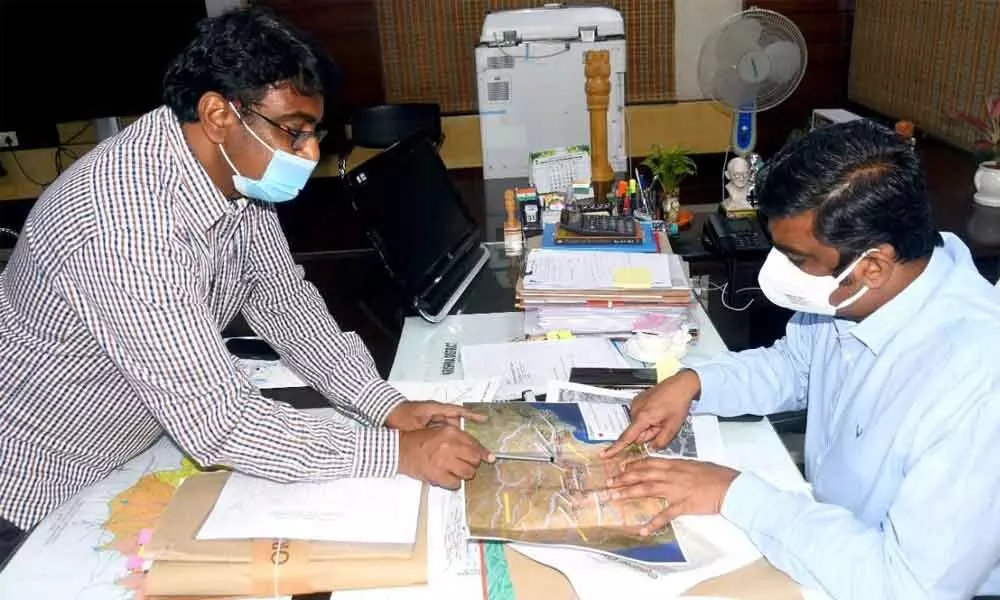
x=562 y=502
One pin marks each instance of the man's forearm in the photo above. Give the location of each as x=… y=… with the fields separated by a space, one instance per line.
x=334 y=362
x=272 y=440
x=822 y=546
x=760 y=382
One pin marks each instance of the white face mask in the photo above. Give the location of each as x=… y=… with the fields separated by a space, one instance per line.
x=790 y=287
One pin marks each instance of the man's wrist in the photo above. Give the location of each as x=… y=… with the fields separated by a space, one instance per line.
x=377 y=400
x=376 y=452
x=691 y=382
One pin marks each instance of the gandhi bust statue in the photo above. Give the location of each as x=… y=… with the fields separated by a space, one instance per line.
x=738 y=174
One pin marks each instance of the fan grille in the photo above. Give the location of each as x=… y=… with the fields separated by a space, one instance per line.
x=753 y=61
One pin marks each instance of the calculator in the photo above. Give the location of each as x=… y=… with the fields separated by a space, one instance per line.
x=597 y=225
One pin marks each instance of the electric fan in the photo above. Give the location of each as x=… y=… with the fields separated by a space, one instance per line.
x=752 y=62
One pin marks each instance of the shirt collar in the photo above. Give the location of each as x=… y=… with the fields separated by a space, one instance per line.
x=878 y=328
x=206 y=203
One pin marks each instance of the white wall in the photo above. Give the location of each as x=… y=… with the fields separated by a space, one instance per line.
x=694 y=20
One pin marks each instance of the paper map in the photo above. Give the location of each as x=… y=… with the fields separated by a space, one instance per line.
x=560 y=502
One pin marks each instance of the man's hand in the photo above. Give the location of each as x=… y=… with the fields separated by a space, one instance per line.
x=689 y=487
x=442 y=455
x=410 y=416
x=658 y=413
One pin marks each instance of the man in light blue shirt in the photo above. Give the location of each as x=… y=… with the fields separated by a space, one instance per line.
x=893 y=349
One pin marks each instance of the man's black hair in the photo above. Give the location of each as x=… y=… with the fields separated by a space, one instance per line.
x=865 y=185
x=241 y=54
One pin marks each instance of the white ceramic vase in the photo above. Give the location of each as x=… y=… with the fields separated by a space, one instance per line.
x=987 y=182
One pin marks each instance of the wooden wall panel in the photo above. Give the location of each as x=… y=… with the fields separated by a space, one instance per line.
x=827 y=27
x=920 y=62
x=428 y=48
x=348 y=31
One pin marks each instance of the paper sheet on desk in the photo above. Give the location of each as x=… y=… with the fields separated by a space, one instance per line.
x=454 y=565
x=532 y=365
x=377 y=511
x=595 y=270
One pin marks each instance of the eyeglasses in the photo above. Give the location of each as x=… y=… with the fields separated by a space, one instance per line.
x=300 y=137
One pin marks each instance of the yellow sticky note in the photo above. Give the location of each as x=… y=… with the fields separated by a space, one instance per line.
x=667 y=366
x=632 y=278
x=559 y=334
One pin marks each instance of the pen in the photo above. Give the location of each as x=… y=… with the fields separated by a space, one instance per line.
x=527 y=457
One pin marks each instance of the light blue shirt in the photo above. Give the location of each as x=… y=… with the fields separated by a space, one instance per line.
x=902 y=442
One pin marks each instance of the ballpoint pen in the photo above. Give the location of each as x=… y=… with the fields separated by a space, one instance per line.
x=524 y=457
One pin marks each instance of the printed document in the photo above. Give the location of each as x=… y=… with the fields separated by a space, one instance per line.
x=375 y=511
x=597 y=270
x=531 y=366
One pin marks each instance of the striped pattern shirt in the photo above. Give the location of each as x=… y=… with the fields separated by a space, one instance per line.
x=111 y=311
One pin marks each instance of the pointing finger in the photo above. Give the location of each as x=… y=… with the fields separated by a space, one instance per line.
x=629 y=436
x=450 y=411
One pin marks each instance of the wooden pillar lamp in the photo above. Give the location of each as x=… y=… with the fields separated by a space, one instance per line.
x=597 y=68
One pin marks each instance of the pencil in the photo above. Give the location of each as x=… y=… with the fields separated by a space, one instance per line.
x=527 y=457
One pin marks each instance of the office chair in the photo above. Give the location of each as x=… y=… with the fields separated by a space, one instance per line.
x=381 y=126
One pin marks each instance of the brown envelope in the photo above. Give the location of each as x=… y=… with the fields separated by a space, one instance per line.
x=756 y=581
x=291 y=568
x=176 y=531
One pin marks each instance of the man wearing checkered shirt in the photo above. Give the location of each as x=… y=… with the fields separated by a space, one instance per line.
x=134 y=260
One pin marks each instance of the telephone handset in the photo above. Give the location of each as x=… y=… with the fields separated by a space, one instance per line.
x=730 y=237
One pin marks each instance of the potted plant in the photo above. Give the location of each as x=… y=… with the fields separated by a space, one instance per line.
x=987 y=151
x=669 y=167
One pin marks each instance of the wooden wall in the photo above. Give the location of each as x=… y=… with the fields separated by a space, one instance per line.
x=348 y=30
x=827 y=27
x=920 y=62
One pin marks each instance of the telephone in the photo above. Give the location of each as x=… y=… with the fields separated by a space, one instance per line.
x=731 y=237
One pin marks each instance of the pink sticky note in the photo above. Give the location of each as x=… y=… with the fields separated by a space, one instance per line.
x=144 y=536
x=135 y=563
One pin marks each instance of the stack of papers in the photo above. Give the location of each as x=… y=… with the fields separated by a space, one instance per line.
x=600 y=291
x=585 y=319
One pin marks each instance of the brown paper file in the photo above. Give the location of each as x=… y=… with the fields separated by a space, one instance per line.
x=289 y=569
x=756 y=581
x=175 y=535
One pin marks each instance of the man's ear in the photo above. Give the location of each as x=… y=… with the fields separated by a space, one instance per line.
x=877 y=266
x=215 y=116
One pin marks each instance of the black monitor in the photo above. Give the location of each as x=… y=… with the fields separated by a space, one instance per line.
x=71 y=60
x=417 y=221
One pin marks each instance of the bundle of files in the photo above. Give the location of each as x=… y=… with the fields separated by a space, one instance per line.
x=183 y=562
x=601 y=291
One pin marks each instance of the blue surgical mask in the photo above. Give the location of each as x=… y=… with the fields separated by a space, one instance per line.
x=285 y=176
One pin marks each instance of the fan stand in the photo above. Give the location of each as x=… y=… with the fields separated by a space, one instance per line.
x=743 y=141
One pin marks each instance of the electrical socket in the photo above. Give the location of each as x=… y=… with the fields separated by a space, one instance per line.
x=8 y=139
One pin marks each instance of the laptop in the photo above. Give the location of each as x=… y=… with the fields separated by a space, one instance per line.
x=416 y=220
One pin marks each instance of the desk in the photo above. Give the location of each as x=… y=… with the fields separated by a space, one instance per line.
x=80 y=550
x=426 y=353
